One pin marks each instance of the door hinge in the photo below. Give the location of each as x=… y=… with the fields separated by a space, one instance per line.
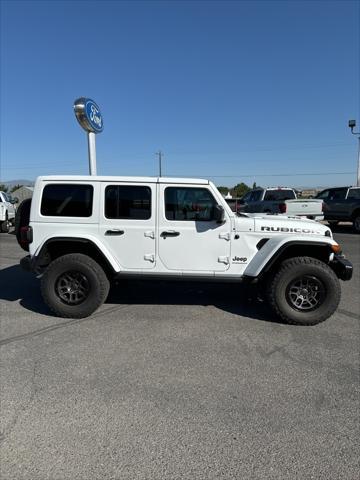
x=149 y=234
x=149 y=257
x=225 y=236
x=224 y=260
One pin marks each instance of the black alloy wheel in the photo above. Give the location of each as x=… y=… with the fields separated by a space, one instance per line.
x=72 y=287
x=305 y=293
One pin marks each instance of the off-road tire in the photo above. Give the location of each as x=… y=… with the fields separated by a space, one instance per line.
x=5 y=225
x=356 y=222
x=22 y=219
x=97 y=281
x=296 y=268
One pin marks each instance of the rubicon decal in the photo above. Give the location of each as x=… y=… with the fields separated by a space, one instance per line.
x=290 y=230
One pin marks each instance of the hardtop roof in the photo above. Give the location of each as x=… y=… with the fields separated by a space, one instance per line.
x=127 y=179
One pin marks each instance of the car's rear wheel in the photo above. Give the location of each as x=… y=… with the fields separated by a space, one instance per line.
x=304 y=291
x=74 y=286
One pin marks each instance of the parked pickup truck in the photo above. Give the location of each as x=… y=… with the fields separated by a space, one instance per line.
x=7 y=211
x=281 y=200
x=342 y=204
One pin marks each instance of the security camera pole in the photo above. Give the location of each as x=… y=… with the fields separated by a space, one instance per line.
x=89 y=116
x=352 y=125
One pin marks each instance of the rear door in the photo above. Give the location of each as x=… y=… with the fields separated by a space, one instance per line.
x=189 y=238
x=127 y=223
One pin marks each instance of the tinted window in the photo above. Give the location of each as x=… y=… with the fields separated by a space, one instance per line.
x=337 y=193
x=324 y=194
x=256 y=195
x=354 y=193
x=124 y=201
x=246 y=197
x=184 y=203
x=68 y=200
x=279 y=195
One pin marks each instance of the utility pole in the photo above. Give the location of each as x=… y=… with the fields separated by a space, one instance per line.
x=352 y=125
x=160 y=155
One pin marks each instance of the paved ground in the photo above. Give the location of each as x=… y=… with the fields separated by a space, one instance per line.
x=171 y=381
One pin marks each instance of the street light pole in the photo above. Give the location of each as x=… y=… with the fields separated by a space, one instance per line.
x=352 y=125
x=160 y=155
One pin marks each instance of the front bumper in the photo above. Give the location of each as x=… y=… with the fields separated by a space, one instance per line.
x=342 y=267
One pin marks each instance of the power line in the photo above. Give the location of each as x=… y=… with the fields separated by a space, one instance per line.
x=262 y=175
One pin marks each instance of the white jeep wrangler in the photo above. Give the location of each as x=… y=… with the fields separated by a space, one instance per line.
x=85 y=231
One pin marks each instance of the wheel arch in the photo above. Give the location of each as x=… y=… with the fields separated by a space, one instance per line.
x=265 y=262
x=56 y=247
x=355 y=213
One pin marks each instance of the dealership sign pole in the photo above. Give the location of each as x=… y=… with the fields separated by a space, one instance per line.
x=89 y=116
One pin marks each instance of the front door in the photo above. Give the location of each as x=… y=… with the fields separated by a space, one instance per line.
x=127 y=224
x=189 y=239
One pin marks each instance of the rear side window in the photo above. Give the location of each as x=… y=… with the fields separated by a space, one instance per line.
x=128 y=202
x=67 y=200
x=279 y=195
x=184 y=203
x=354 y=193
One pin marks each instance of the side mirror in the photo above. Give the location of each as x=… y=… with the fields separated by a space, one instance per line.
x=219 y=214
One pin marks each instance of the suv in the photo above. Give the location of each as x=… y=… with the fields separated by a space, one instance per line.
x=86 y=231
x=342 y=204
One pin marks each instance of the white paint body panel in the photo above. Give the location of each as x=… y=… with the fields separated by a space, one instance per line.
x=202 y=249
x=6 y=208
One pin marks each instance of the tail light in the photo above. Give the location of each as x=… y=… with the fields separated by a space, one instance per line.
x=26 y=235
x=282 y=207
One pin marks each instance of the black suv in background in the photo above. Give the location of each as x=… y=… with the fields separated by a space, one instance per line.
x=342 y=204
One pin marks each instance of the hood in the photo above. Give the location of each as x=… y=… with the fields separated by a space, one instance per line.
x=284 y=224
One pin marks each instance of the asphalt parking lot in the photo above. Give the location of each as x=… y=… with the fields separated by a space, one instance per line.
x=176 y=381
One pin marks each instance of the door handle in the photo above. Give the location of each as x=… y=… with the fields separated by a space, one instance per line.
x=114 y=232
x=170 y=233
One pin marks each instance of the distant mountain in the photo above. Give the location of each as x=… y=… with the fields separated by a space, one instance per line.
x=21 y=181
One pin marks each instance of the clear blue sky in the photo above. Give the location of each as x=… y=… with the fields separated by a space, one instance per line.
x=231 y=89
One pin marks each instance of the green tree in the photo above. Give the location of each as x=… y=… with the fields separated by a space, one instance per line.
x=223 y=190
x=15 y=187
x=240 y=189
x=3 y=187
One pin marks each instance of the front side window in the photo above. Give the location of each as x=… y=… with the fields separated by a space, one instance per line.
x=337 y=194
x=67 y=200
x=189 y=204
x=128 y=202
x=323 y=195
x=256 y=196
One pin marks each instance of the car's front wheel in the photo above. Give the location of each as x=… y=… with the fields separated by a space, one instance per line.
x=5 y=225
x=74 y=286
x=304 y=291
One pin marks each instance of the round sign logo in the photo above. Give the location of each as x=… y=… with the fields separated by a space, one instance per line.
x=88 y=115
